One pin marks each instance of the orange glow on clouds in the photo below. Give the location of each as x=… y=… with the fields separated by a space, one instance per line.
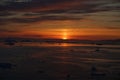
x=66 y=33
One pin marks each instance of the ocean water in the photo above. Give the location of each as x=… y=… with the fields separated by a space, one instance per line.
x=59 y=61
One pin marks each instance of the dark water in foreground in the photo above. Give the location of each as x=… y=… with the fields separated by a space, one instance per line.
x=35 y=61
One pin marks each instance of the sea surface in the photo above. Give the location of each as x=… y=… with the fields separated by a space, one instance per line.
x=59 y=61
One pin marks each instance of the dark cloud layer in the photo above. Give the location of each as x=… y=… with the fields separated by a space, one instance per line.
x=41 y=8
x=43 y=5
x=36 y=19
x=7 y=31
x=13 y=11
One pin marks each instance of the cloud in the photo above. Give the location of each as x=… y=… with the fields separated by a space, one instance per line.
x=7 y=30
x=38 y=10
x=28 y=17
x=62 y=5
x=5 y=13
x=48 y=5
x=44 y=18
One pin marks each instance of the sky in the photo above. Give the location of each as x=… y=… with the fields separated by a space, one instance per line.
x=60 y=19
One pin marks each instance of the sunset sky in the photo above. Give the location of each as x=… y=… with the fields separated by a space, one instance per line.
x=60 y=19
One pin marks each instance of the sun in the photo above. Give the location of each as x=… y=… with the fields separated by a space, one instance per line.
x=64 y=38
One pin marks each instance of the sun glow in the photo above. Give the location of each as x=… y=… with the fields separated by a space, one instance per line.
x=65 y=35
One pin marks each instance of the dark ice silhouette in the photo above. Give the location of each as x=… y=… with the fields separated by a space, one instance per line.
x=96 y=75
x=68 y=77
x=10 y=41
x=7 y=65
